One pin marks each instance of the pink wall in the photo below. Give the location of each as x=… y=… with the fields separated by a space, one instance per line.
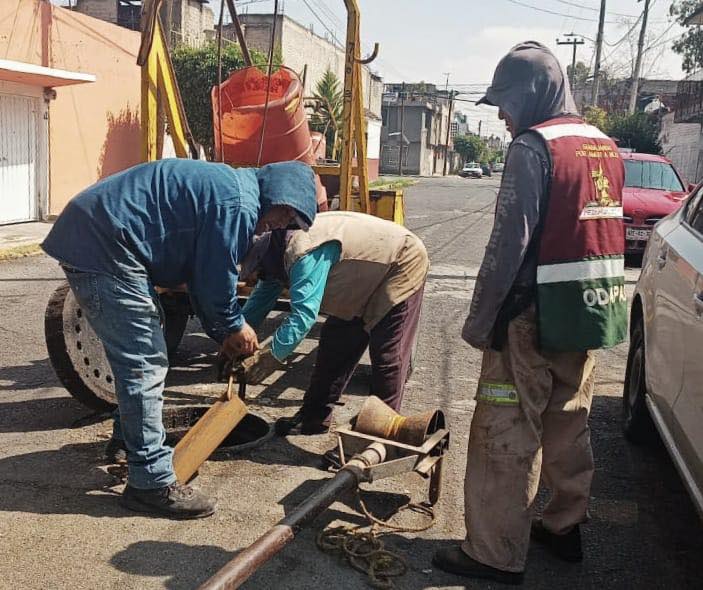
x=94 y=127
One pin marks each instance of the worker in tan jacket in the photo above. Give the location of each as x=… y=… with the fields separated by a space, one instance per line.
x=367 y=275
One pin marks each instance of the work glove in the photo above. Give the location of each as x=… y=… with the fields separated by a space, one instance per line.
x=259 y=366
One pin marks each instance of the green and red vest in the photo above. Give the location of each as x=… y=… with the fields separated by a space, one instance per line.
x=581 y=301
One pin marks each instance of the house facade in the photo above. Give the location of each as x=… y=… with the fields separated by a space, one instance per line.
x=415 y=120
x=188 y=22
x=69 y=99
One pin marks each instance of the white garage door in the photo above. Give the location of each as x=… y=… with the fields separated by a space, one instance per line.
x=18 y=157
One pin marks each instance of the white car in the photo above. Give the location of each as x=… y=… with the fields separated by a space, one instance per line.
x=471 y=170
x=664 y=379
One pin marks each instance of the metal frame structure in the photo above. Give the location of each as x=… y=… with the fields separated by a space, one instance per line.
x=159 y=82
x=353 y=132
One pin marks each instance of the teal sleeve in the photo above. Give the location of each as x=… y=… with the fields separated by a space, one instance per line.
x=308 y=278
x=261 y=301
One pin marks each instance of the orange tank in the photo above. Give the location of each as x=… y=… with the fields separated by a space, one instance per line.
x=287 y=135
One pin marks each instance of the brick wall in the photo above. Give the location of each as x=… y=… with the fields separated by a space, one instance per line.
x=195 y=19
x=103 y=9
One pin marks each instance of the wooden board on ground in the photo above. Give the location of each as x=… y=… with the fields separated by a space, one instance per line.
x=207 y=434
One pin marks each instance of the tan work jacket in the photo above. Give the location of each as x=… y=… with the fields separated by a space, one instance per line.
x=380 y=265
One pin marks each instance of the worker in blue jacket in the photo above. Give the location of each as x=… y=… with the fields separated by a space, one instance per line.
x=168 y=223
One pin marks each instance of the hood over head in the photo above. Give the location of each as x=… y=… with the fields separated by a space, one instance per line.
x=530 y=86
x=288 y=183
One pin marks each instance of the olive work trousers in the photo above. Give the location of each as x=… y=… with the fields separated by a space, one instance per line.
x=531 y=420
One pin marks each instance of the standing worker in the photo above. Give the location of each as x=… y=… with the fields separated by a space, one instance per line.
x=367 y=275
x=167 y=223
x=550 y=290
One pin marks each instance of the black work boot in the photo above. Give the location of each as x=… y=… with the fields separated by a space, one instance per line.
x=115 y=452
x=455 y=561
x=566 y=547
x=174 y=501
x=298 y=424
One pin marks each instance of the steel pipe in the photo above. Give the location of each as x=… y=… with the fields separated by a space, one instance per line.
x=240 y=569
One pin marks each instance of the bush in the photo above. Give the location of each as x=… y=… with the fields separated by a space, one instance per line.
x=196 y=72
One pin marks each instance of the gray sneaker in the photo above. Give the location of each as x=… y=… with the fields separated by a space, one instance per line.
x=174 y=501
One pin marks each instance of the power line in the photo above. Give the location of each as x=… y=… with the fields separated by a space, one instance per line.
x=324 y=25
x=556 y=13
x=593 y=9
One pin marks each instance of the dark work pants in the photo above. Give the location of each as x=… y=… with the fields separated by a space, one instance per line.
x=342 y=344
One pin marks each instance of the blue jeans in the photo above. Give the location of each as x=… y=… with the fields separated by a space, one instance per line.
x=126 y=315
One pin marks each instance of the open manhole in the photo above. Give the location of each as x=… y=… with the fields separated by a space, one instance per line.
x=250 y=432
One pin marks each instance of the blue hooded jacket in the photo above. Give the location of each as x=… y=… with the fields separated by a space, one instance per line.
x=179 y=221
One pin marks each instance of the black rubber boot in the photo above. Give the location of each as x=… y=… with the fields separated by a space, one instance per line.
x=175 y=501
x=297 y=424
x=455 y=561
x=115 y=452
x=566 y=547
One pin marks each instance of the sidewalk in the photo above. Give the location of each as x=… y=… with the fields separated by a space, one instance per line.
x=22 y=239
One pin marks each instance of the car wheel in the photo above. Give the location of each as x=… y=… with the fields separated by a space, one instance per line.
x=636 y=422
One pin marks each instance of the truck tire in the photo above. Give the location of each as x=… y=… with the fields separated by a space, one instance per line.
x=76 y=352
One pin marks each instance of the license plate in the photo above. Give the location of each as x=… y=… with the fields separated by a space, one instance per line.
x=632 y=233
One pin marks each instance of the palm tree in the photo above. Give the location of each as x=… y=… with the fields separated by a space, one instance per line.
x=327 y=114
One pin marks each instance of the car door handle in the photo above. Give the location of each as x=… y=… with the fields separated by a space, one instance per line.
x=661 y=259
x=698 y=302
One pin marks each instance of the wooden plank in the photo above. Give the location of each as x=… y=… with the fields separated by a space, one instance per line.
x=207 y=434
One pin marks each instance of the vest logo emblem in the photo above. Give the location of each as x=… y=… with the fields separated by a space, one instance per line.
x=605 y=206
x=603 y=297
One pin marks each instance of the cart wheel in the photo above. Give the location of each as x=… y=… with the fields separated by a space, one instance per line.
x=76 y=352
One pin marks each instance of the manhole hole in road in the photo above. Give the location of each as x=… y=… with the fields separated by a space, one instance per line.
x=250 y=432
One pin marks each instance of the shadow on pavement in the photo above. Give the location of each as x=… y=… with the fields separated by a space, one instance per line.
x=63 y=481
x=38 y=373
x=187 y=566
x=44 y=414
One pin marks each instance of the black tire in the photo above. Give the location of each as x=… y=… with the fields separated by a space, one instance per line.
x=176 y=309
x=637 y=424
x=59 y=357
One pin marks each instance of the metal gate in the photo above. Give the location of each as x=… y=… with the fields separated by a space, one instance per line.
x=18 y=157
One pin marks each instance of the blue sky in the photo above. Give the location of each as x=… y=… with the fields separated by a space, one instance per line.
x=421 y=40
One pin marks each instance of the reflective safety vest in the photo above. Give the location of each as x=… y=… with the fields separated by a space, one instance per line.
x=581 y=301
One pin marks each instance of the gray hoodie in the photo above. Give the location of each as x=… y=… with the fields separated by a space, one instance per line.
x=530 y=86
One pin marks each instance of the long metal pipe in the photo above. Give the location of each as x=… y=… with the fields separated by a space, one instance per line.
x=240 y=569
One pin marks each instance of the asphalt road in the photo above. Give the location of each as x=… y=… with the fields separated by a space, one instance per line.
x=61 y=525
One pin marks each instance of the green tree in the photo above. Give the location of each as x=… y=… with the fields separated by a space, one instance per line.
x=579 y=74
x=638 y=131
x=471 y=147
x=690 y=44
x=327 y=115
x=196 y=72
x=597 y=117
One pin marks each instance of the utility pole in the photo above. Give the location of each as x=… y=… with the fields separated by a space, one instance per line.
x=635 y=84
x=599 y=46
x=479 y=127
x=402 y=125
x=449 y=128
x=446 y=86
x=574 y=42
